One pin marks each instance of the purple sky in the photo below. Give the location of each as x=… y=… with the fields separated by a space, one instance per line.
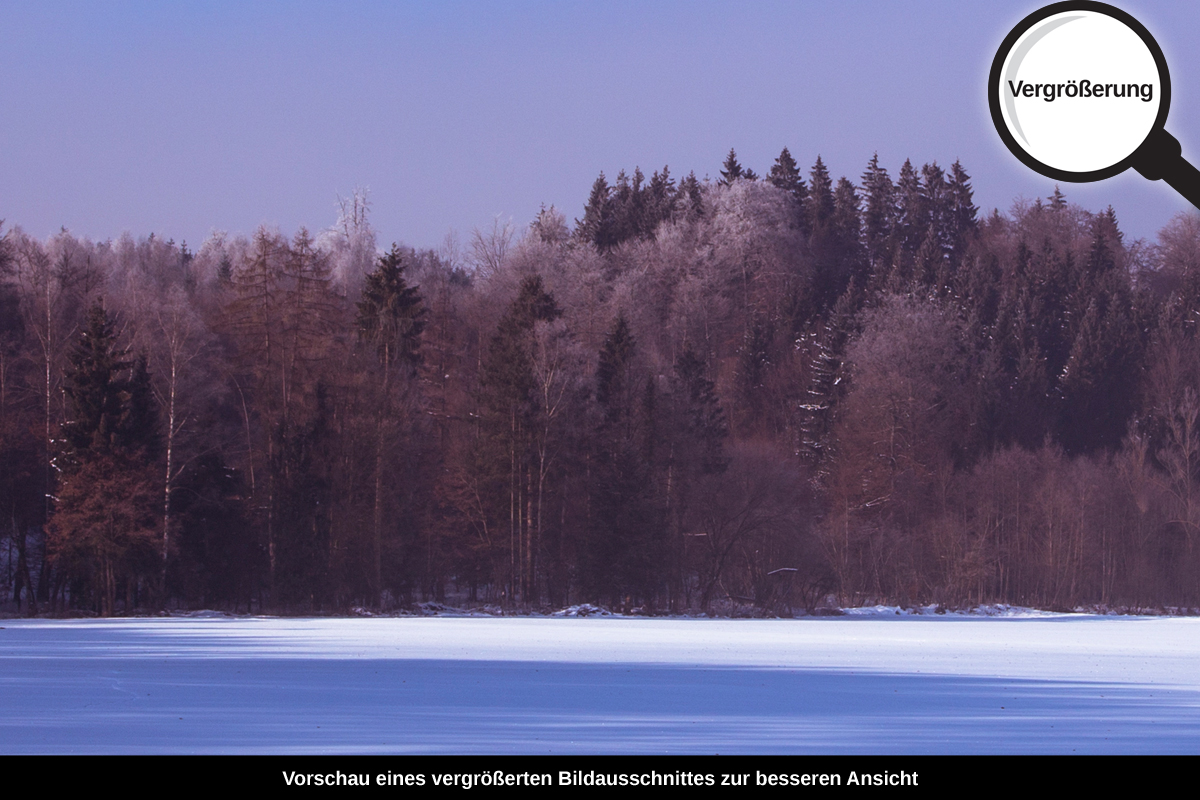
x=181 y=118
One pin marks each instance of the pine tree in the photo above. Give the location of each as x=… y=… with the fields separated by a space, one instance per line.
x=820 y=197
x=661 y=199
x=390 y=314
x=595 y=227
x=785 y=175
x=390 y=317
x=962 y=217
x=508 y=404
x=912 y=223
x=699 y=412
x=846 y=225
x=622 y=557
x=691 y=196
x=105 y=525
x=823 y=243
x=731 y=169
x=97 y=386
x=879 y=215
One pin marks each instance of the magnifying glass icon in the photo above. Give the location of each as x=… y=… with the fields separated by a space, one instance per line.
x=1079 y=92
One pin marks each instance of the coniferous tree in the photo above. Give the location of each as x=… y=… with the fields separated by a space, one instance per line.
x=820 y=197
x=390 y=316
x=912 y=224
x=962 y=216
x=508 y=402
x=595 y=227
x=879 y=215
x=785 y=175
x=731 y=170
x=104 y=527
x=660 y=202
x=691 y=196
x=624 y=554
x=823 y=238
x=846 y=231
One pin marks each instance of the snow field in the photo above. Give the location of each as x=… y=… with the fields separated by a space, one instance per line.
x=871 y=684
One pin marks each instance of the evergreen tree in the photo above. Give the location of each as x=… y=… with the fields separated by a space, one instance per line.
x=596 y=225
x=97 y=386
x=390 y=313
x=103 y=530
x=962 y=214
x=879 y=215
x=731 y=170
x=820 y=197
x=785 y=175
x=846 y=229
x=824 y=244
x=390 y=317
x=912 y=223
x=623 y=556
x=698 y=411
x=504 y=457
x=691 y=196
x=660 y=202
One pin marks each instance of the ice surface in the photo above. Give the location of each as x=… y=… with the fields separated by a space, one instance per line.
x=878 y=683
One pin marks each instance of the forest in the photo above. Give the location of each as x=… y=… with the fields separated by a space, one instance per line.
x=753 y=395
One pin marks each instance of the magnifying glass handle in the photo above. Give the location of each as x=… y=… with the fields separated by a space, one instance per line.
x=1161 y=158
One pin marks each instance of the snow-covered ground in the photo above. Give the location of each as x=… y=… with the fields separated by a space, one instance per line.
x=872 y=683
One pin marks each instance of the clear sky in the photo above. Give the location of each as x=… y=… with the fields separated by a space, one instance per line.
x=180 y=118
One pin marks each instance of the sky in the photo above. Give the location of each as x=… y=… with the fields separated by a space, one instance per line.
x=185 y=118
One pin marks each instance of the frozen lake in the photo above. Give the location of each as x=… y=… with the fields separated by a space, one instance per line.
x=1041 y=684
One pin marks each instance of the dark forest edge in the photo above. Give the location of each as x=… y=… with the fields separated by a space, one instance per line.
x=750 y=396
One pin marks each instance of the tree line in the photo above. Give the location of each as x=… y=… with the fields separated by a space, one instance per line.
x=742 y=395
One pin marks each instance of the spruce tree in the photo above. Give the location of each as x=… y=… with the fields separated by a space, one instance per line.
x=390 y=313
x=820 y=197
x=691 y=197
x=731 y=170
x=389 y=317
x=597 y=216
x=962 y=214
x=911 y=221
x=504 y=449
x=785 y=175
x=103 y=530
x=660 y=201
x=622 y=557
x=97 y=386
x=879 y=214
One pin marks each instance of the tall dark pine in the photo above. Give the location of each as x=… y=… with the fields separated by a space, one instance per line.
x=785 y=175
x=823 y=239
x=846 y=231
x=390 y=316
x=623 y=552
x=879 y=214
x=912 y=222
x=97 y=385
x=962 y=214
x=820 y=196
x=691 y=197
x=103 y=530
x=596 y=225
x=504 y=457
x=731 y=170
x=660 y=201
